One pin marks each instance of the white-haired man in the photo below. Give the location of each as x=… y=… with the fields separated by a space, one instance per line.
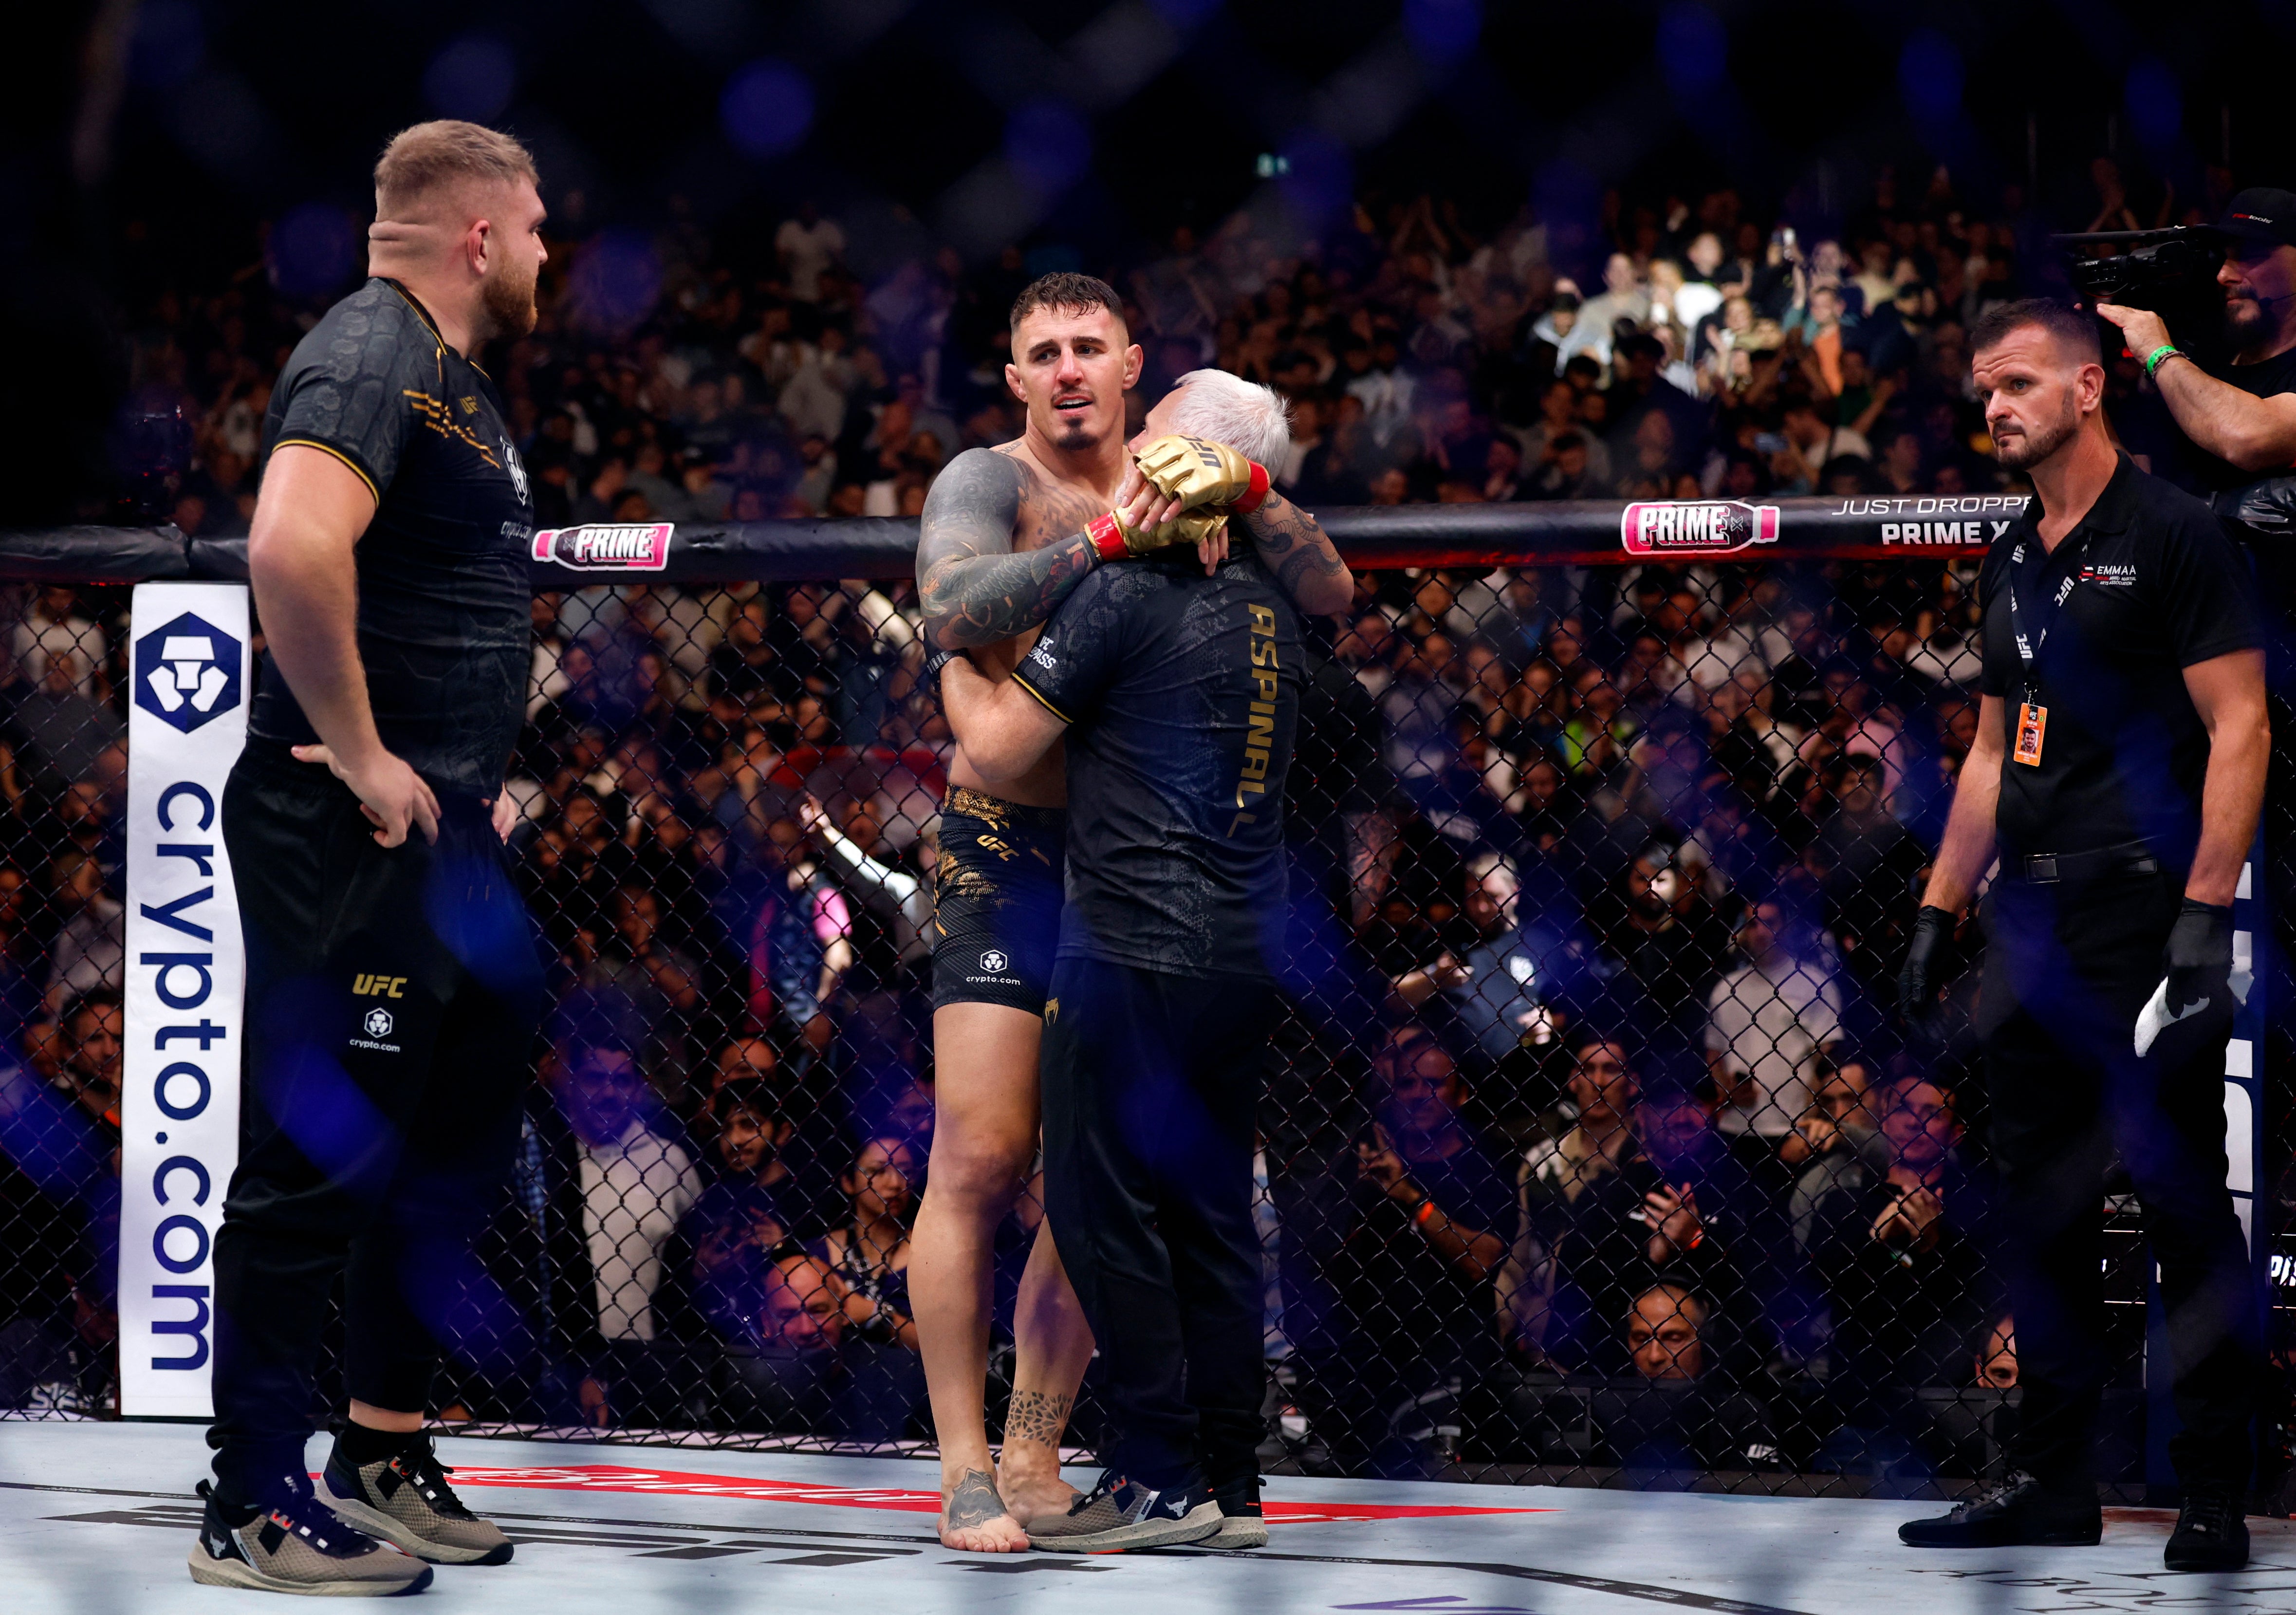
x=392 y=986
x=1008 y=535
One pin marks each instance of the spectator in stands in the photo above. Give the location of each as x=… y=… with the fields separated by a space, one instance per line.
x=1996 y=1356
x=1656 y=923
x=1412 y=1230
x=664 y=984
x=1902 y=1267
x=57 y=732
x=1767 y=1018
x=1664 y=1333
x=55 y=630
x=619 y=1185
x=1836 y=1146
x=869 y=1256
x=1501 y=1002
x=89 y=952
x=1678 y=1411
x=93 y=1027
x=782 y=1378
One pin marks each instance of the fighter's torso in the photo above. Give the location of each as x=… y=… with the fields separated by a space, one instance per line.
x=1052 y=507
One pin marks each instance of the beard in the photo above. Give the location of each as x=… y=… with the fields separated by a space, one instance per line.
x=2028 y=449
x=2244 y=321
x=508 y=297
x=1078 y=430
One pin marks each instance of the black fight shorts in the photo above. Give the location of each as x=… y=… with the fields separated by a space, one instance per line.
x=996 y=901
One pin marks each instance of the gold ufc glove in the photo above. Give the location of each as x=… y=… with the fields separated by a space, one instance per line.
x=1197 y=471
x=1111 y=540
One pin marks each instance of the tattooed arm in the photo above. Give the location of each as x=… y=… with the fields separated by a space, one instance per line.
x=1293 y=547
x=975 y=591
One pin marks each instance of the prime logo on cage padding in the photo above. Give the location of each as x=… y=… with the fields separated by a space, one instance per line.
x=1696 y=526
x=607 y=547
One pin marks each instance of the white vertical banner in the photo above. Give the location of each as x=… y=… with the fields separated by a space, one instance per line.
x=187 y=985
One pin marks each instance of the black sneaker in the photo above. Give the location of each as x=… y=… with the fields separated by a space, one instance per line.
x=2211 y=1531
x=1241 y=1523
x=1117 y=1514
x=404 y=1500
x=297 y=1547
x=2019 y=1513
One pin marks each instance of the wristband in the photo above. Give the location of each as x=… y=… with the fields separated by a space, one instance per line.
x=1424 y=1215
x=930 y=677
x=1107 y=535
x=2162 y=355
x=1256 y=493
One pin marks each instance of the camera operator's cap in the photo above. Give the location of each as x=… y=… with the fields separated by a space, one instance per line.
x=2261 y=213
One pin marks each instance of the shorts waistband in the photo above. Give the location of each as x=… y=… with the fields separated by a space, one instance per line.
x=996 y=810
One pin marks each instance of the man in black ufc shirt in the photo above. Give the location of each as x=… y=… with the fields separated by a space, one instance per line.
x=1178 y=695
x=392 y=982
x=2119 y=770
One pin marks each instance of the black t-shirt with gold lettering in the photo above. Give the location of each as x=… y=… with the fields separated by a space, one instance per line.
x=2144 y=587
x=1182 y=694
x=443 y=594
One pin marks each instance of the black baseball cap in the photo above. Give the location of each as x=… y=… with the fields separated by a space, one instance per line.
x=2261 y=213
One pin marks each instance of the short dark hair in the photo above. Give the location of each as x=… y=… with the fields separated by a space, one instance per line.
x=1068 y=292
x=752 y=1095
x=2076 y=329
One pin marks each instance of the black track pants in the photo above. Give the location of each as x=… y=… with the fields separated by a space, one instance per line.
x=1151 y=1085
x=392 y=997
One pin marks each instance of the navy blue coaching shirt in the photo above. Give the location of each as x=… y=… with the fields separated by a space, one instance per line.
x=1181 y=693
x=2144 y=587
x=444 y=604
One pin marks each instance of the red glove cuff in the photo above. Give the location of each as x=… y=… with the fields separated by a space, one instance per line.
x=1107 y=535
x=1255 y=495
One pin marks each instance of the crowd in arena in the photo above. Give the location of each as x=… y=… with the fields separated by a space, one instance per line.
x=1598 y=874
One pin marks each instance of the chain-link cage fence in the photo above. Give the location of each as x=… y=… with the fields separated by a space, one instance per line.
x=1600 y=878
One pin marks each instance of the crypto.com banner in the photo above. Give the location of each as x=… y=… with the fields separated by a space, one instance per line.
x=179 y=1108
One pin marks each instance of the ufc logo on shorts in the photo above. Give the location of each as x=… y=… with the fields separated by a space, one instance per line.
x=378 y=986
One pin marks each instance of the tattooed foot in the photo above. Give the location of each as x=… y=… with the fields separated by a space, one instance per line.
x=1035 y=1496
x=973 y=1517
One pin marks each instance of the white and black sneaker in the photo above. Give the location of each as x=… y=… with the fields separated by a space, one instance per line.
x=404 y=1500
x=1118 y=1514
x=298 y=1546
x=1243 y=1525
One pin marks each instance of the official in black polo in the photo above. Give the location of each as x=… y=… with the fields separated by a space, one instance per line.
x=2119 y=768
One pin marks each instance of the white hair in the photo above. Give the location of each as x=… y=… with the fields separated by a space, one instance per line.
x=1250 y=419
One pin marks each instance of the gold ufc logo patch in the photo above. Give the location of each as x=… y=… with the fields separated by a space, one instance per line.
x=378 y=986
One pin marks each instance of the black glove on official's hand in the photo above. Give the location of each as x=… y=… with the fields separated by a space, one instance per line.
x=2199 y=956
x=1924 y=966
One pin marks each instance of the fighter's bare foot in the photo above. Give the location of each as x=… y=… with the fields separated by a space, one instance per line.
x=1033 y=1496
x=974 y=1519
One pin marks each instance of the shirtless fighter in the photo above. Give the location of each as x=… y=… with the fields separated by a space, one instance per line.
x=1006 y=534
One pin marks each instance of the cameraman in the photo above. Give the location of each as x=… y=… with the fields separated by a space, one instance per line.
x=2244 y=420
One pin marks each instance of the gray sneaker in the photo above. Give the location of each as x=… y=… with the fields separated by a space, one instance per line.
x=1116 y=1516
x=406 y=1501
x=1243 y=1525
x=298 y=1547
